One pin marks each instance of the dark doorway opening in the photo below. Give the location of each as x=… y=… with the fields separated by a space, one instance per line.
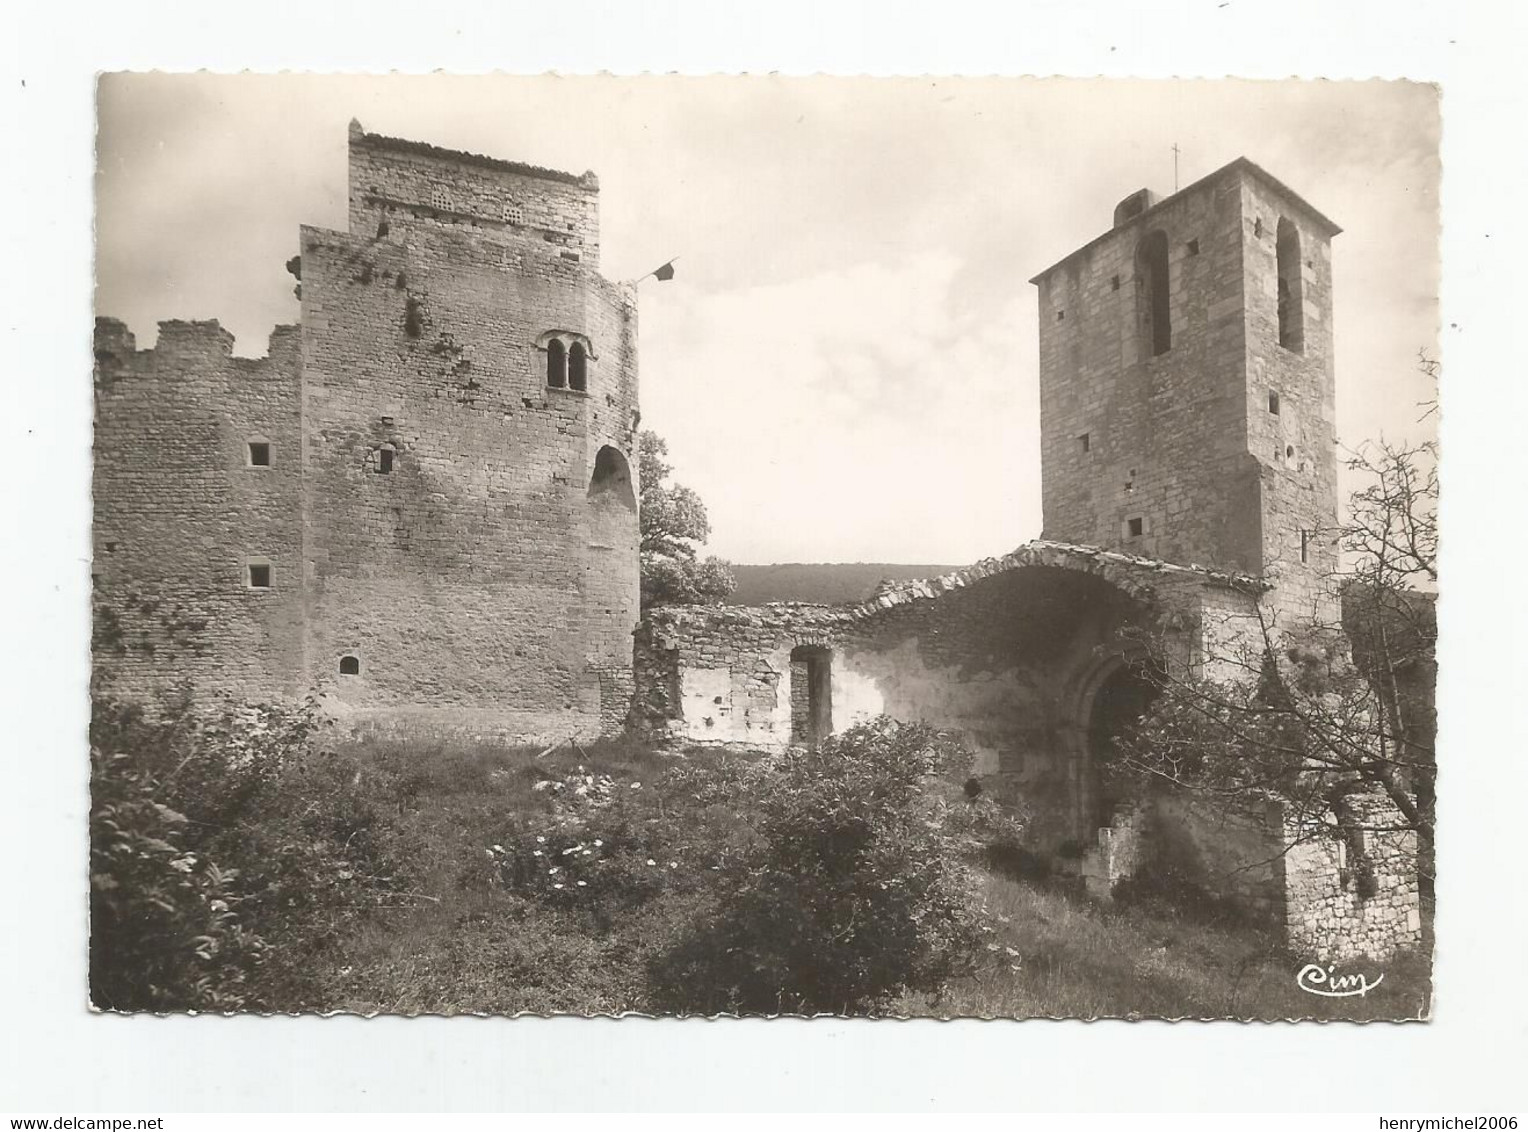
x=811 y=694
x=1119 y=702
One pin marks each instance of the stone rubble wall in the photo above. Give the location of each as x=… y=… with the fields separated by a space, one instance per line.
x=178 y=513
x=1344 y=904
x=414 y=185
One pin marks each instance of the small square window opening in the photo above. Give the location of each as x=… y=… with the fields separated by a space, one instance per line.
x=350 y=666
x=259 y=576
x=1193 y=247
x=384 y=460
x=1136 y=526
x=259 y=454
x=1085 y=442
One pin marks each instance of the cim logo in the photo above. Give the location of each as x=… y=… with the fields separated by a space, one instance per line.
x=1316 y=979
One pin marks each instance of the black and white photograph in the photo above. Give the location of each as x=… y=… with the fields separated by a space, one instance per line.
x=853 y=557
x=758 y=546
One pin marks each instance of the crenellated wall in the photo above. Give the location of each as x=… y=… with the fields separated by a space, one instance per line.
x=448 y=531
x=179 y=513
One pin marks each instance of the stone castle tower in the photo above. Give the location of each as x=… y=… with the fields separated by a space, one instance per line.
x=422 y=502
x=1186 y=384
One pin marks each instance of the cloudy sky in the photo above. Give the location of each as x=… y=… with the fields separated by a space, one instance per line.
x=844 y=365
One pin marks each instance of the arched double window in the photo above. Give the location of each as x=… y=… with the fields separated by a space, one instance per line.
x=567 y=360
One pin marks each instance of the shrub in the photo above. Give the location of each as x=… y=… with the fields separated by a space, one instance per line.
x=853 y=891
x=226 y=851
x=164 y=926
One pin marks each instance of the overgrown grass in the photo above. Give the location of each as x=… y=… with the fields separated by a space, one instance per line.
x=463 y=943
x=475 y=948
x=1080 y=959
x=463 y=916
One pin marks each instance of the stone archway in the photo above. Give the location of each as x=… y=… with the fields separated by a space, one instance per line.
x=1117 y=693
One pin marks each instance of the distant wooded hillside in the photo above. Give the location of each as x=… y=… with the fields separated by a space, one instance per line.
x=830 y=583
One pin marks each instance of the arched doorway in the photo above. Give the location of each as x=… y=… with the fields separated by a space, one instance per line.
x=1121 y=693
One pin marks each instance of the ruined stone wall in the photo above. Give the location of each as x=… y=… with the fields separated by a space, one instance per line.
x=485 y=579
x=1356 y=894
x=1232 y=853
x=1002 y=653
x=180 y=513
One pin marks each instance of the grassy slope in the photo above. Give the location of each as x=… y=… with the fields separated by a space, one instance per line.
x=462 y=944
x=1079 y=959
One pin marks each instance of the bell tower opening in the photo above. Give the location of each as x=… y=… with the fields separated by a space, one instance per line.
x=1291 y=288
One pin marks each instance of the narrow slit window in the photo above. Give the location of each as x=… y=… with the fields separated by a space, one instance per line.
x=556 y=364
x=1304 y=546
x=1273 y=403
x=259 y=454
x=1156 y=309
x=1085 y=443
x=385 y=460
x=578 y=368
x=350 y=666
x=259 y=576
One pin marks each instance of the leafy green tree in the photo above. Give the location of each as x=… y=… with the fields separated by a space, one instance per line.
x=673 y=527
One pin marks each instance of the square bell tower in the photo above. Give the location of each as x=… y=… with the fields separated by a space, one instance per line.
x=1187 y=385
